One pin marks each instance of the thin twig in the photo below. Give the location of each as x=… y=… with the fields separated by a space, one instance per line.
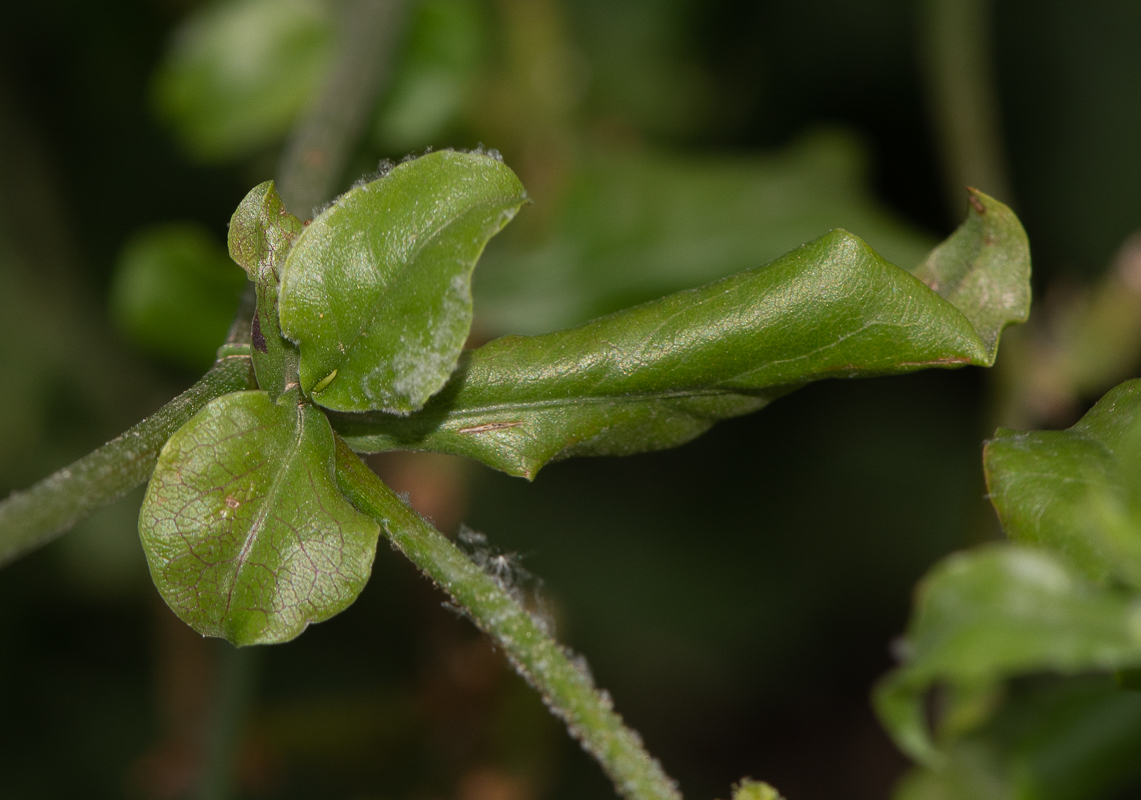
x=567 y=688
x=319 y=146
x=958 y=65
x=236 y=685
x=36 y=516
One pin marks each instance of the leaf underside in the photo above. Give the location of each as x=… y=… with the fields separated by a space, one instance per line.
x=245 y=531
x=660 y=374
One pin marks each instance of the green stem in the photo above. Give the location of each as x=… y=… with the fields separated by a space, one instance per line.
x=319 y=147
x=237 y=679
x=567 y=688
x=36 y=516
x=958 y=66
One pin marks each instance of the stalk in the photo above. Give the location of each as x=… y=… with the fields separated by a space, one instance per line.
x=319 y=147
x=35 y=516
x=566 y=688
x=236 y=685
x=955 y=50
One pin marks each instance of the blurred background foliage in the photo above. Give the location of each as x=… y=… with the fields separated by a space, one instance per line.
x=737 y=595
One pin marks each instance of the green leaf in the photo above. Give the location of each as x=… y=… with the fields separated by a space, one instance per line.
x=984 y=269
x=633 y=226
x=1056 y=739
x=238 y=73
x=750 y=789
x=174 y=293
x=660 y=374
x=377 y=290
x=261 y=234
x=999 y=611
x=1076 y=491
x=245 y=531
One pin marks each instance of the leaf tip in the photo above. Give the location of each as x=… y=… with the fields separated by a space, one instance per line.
x=973 y=197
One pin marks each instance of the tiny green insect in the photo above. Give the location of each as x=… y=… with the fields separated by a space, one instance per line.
x=323 y=384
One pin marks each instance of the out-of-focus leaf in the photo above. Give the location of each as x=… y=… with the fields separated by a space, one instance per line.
x=973 y=772
x=1098 y=340
x=246 y=533
x=749 y=789
x=1000 y=611
x=238 y=73
x=261 y=234
x=1085 y=341
x=377 y=290
x=635 y=227
x=174 y=293
x=660 y=374
x=446 y=46
x=646 y=68
x=1076 y=491
x=1073 y=739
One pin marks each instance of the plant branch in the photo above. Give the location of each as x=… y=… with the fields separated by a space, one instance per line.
x=955 y=45
x=36 y=516
x=318 y=149
x=567 y=689
x=237 y=679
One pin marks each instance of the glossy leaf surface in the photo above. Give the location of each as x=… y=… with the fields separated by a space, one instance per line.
x=261 y=234
x=377 y=290
x=999 y=611
x=245 y=531
x=1076 y=491
x=660 y=374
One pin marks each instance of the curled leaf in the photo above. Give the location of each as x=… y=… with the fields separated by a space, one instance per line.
x=983 y=269
x=662 y=373
x=261 y=234
x=634 y=225
x=378 y=287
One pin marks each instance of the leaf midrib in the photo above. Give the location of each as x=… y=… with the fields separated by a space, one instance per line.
x=263 y=512
x=619 y=398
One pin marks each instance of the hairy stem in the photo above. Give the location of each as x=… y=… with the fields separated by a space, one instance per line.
x=567 y=688
x=36 y=516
